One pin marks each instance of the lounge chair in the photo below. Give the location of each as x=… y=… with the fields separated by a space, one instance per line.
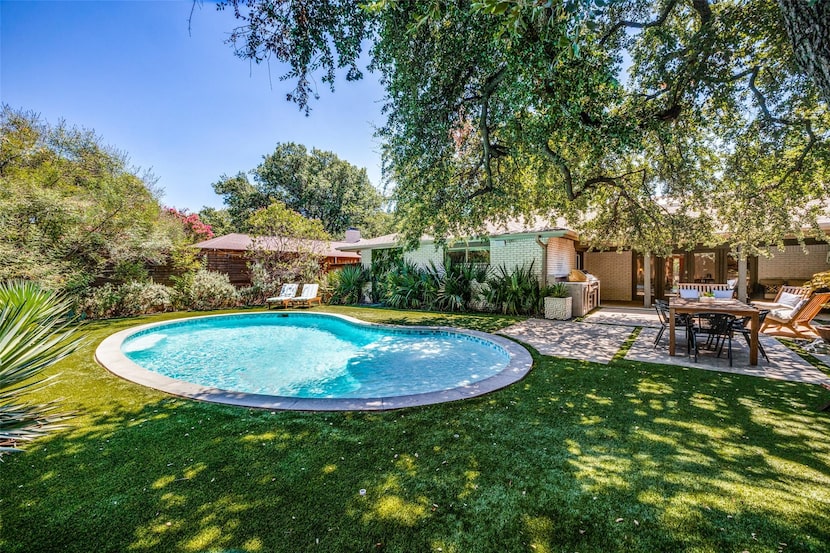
x=798 y=316
x=787 y=297
x=307 y=296
x=287 y=293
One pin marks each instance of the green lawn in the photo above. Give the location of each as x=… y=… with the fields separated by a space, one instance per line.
x=576 y=457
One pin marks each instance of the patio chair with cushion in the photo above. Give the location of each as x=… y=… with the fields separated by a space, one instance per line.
x=308 y=295
x=787 y=297
x=287 y=293
x=797 y=316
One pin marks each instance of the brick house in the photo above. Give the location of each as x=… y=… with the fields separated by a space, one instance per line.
x=555 y=250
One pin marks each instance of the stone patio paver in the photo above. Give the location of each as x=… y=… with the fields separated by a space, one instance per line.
x=573 y=340
x=601 y=334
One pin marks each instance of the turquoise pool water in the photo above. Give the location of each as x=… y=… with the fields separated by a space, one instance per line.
x=308 y=355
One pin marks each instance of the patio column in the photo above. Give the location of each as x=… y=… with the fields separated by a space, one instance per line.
x=741 y=275
x=647 y=279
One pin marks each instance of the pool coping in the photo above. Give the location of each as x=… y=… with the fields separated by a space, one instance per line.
x=108 y=354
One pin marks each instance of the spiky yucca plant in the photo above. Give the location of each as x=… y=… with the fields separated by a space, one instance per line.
x=36 y=331
x=516 y=291
x=350 y=281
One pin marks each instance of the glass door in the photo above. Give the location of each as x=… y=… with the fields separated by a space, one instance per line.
x=674 y=269
x=641 y=281
x=705 y=267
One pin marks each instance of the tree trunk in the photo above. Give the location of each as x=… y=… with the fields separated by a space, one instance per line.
x=808 y=25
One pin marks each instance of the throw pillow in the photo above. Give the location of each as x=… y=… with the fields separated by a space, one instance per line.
x=789 y=299
x=689 y=293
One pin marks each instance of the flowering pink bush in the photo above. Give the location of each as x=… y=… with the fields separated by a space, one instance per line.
x=192 y=224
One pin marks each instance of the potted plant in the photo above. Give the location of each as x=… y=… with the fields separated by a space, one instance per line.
x=558 y=302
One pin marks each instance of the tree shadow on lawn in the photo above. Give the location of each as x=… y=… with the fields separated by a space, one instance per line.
x=576 y=457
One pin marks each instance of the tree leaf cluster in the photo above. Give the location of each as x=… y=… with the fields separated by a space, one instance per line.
x=73 y=212
x=644 y=124
x=69 y=206
x=316 y=184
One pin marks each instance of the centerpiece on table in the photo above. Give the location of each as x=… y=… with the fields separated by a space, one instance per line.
x=707 y=296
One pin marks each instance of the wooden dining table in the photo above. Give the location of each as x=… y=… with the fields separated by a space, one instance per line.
x=728 y=306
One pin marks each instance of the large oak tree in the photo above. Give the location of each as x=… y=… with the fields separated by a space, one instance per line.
x=645 y=123
x=317 y=184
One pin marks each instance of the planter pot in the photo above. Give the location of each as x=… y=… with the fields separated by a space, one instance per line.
x=823 y=331
x=558 y=308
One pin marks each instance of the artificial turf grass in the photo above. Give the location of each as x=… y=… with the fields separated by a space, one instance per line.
x=700 y=460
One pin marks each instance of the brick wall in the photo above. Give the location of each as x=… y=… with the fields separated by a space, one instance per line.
x=517 y=253
x=424 y=254
x=614 y=273
x=793 y=265
x=561 y=257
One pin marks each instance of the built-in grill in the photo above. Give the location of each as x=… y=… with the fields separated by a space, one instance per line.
x=585 y=294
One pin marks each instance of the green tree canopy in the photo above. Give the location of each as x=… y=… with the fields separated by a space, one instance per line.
x=316 y=184
x=219 y=220
x=69 y=206
x=287 y=246
x=644 y=123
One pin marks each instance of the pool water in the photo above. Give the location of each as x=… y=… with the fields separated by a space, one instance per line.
x=313 y=356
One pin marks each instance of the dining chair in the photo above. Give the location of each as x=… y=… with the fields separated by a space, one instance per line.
x=741 y=325
x=680 y=321
x=717 y=329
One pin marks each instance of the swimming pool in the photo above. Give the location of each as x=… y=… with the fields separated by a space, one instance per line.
x=312 y=361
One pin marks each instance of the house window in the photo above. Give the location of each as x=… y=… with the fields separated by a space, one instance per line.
x=477 y=254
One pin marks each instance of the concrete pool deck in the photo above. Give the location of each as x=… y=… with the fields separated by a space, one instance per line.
x=600 y=336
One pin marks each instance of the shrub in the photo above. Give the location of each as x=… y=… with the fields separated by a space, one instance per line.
x=515 y=292
x=144 y=298
x=204 y=290
x=409 y=286
x=101 y=302
x=820 y=282
x=348 y=287
x=127 y=300
x=263 y=285
x=457 y=289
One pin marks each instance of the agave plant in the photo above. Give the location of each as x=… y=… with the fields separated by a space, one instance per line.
x=408 y=286
x=36 y=331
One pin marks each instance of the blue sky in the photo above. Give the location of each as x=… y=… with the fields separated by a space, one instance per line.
x=178 y=103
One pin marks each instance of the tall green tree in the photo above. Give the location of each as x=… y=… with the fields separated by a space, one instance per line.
x=639 y=121
x=218 y=219
x=316 y=184
x=70 y=207
x=287 y=247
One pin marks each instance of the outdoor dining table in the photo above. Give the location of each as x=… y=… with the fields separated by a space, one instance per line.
x=728 y=306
